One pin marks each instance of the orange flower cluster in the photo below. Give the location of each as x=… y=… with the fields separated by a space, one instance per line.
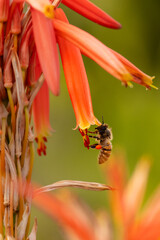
x=43 y=28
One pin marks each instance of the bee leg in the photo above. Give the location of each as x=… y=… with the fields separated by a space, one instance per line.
x=96 y=145
x=93 y=145
x=94 y=137
x=95 y=132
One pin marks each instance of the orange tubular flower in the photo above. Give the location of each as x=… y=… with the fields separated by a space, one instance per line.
x=112 y=62
x=41 y=118
x=92 y=12
x=46 y=48
x=39 y=29
x=76 y=79
x=4 y=9
x=138 y=76
x=40 y=106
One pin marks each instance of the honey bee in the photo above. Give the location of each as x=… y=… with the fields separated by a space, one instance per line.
x=103 y=137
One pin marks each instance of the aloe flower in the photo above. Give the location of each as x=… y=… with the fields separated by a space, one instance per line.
x=46 y=35
x=92 y=12
x=131 y=221
x=30 y=34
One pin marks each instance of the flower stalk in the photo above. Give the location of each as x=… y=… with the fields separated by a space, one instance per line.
x=25 y=139
x=13 y=115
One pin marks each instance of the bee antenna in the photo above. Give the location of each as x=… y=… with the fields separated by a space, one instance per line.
x=102 y=120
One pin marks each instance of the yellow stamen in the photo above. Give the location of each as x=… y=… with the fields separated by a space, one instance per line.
x=49 y=11
x=130 y=84
x=154 y=86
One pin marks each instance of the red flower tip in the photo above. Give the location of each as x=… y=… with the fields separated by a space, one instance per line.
x=41 y=149
x=85 y=137
x=41 y=118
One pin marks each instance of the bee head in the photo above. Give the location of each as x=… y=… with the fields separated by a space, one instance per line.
x=102 y=128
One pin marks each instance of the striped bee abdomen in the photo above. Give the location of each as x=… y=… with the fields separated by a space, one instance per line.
x=105 y=153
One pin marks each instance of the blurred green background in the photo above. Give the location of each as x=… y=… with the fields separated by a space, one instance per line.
x=133 y=114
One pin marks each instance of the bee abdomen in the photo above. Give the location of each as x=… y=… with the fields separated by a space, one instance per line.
x=105 y=153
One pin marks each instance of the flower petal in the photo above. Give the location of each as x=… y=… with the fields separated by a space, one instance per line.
x=116 y=175
x=41 y=112
x=65 y=211
x=108 y=59
x=41 y=117
x=93 y=48
x=92 y=12
x=46 y=48
x=147 y=227
x=4 y=10
x=138 y=76
x=135 y=189
x=76 y=80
